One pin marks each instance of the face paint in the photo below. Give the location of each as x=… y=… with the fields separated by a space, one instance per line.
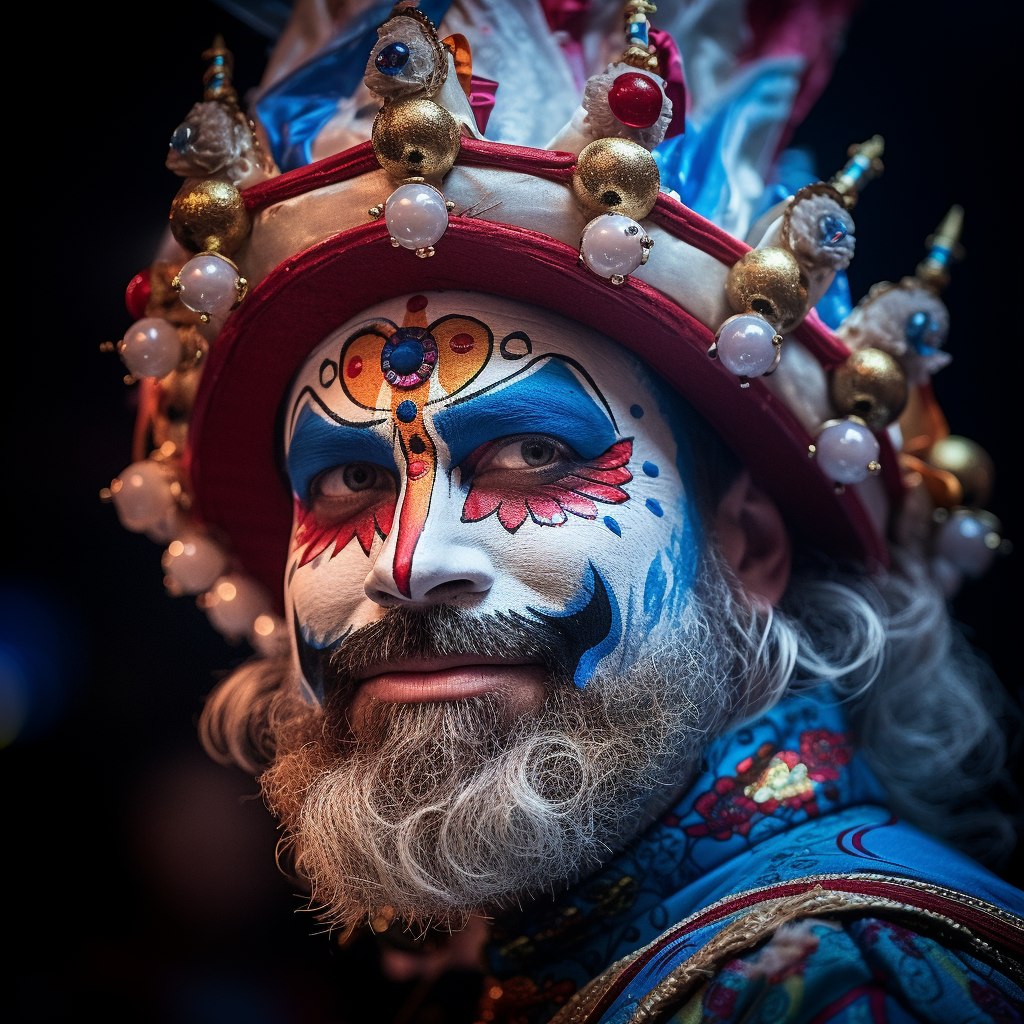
x=456 y=448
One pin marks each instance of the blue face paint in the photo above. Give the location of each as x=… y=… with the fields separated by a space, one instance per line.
x=318 y=444
x=613 y=526
x=589 y=628
x=654 y=591
x=315 y=659
x=550 y=400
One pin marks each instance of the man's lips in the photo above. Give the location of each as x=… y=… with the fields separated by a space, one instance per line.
x=413 y=680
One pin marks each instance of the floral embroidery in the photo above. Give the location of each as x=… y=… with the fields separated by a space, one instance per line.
x=725 y=810
x=548 y=502
x=824 y=753
x=317 y=537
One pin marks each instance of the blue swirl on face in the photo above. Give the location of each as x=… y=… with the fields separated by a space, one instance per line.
x=548 y=401
x=923 y=334
x=318 y=444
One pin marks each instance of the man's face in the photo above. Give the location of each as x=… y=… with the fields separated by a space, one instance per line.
x=457 y=449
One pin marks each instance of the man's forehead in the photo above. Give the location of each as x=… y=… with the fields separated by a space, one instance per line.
x=503 y=338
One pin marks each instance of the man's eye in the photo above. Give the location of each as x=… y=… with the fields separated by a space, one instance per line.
x=523 y=453
x=538 y=452
x=343 y=480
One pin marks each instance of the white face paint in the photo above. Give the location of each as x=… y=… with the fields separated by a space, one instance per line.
x=458 y=448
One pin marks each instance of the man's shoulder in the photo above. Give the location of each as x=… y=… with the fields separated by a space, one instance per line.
x=823 y=879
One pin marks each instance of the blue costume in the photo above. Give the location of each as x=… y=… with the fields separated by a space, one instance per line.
x=784 y=839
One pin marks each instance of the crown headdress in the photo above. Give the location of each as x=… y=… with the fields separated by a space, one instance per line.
x=841 y=426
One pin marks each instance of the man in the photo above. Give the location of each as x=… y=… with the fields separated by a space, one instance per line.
x=576 y=639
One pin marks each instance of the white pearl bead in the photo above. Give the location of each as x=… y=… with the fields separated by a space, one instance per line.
x=613 y=245
x=847 y=451
x=969 y=540
x=234 y=603
x=142 y=496
x=208 y=284
x=416 y=215
x=193 y=563
x=151 y=347
x=745 y=345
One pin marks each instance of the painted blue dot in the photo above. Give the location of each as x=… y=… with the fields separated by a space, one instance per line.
x=406 y=357
x=650 y=469
x=636 y=411
x=406 y=412
x=613 y=526
x=653 y=505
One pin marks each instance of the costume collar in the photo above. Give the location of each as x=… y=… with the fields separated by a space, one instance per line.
x=789 y=766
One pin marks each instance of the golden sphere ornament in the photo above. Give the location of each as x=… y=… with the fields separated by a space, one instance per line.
x=871 y=385
x=769 y=283
x=208 y=215
x=969 y=463
x=415 y=139
x=616 y=176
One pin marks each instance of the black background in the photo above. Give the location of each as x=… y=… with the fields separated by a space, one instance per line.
x=143 y=874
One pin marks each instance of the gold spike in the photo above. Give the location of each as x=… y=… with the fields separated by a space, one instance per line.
x=943 y=248
x=865 y=163
x=220 y=69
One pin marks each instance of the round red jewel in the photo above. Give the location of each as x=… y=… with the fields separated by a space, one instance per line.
x=416 y=469
x=635 y=99
x=136 y=295
x=462 y=343
x=416 y=303
x=354 y=368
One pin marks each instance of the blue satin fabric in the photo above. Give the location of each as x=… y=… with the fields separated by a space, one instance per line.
x=295 y=110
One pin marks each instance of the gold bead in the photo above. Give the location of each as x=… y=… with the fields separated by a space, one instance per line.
x=210 y=216
x=768 y=282
x=616 y=176
x=969 y=463
x=415 y=138
x=871 y=385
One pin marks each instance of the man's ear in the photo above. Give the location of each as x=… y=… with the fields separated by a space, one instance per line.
x=753 y=539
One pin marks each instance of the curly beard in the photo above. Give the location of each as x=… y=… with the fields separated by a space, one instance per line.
x=433 y=812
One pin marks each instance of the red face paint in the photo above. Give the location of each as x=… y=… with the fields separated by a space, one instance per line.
x=317 y=530
x=545 y=494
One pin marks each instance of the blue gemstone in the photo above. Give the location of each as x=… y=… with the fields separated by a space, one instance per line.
x=655 y=507
x=180 y=138
x=922 y=333
x=392 y=58
x=406 y=357
x=406 y=411
x=613 y=526
x=636 y=412
x=650 y=469
x=833 y=229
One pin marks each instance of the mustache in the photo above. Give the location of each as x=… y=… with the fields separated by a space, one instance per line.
x=440 y=631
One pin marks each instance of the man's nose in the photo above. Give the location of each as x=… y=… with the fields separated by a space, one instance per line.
x=442 y=571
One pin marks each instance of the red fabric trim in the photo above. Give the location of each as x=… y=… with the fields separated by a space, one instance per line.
x=347 y=164
x=552 y=164
x=681 y=221
x=236 y=483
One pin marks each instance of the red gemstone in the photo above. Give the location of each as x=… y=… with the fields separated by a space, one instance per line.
x=416 y=303
x=354 y=368
x=136 y=295
x=461 y=343
x=635 y=99
x=417 y=469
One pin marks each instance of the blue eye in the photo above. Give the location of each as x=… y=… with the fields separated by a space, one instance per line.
x=392 y=58
x=832 y=229
x=923 y=333
x=181 y=138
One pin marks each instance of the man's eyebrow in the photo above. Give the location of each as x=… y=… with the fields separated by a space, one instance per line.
x=551 y=400
x=318 y=444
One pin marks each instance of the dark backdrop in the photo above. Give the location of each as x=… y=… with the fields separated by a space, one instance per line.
x=143 y=873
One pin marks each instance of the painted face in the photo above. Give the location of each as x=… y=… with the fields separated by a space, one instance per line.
x=461 y=449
